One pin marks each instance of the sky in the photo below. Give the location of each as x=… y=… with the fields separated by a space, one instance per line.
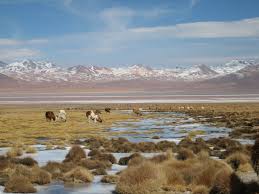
x=125 y=32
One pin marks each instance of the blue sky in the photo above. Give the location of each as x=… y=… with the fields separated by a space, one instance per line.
x=115 y=33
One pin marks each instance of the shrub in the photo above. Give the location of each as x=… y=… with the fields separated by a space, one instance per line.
x=200 y=189
x=21 y=170
x=27 y=161
x=14 y=152
x=78 y=175
x=222 y=183
x=49 y=147
x=166 y=145
x=19 y=184
x=255 y=156
x=94 y=152
x=54 y=168
x=146 y=146
x=207 y=172
x=160 y=158
x=103 y=157
x=236 y=159
x=40 y=176
x=184 y=154
x=110 y=179
x=34 y=175
x=173 y=177
x=94 y=164
x=125 y=160
x=4 y=163
x=75 y=154
x=245 y=167
x=142 y=179
x=203 y=155
x=100 y=171
x=67 y=166
x=30 y=150
x=136 y=161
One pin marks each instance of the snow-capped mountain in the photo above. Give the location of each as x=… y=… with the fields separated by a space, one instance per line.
x=29 y=70
x=40 y=71
x=232 y=66
x=198 y=72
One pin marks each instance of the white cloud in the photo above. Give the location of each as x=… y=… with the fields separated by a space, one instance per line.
x=229 y=29
x=16 y=42
x=12 y=54
x=9 y=42
x=119 y=18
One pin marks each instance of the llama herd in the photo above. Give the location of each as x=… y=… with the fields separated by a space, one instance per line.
x=90 y=115
x=62 y=116
x=94 y=115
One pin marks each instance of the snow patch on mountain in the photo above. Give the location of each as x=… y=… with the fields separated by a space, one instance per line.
x=232 y=66
x=40 y=71
x=198 y=72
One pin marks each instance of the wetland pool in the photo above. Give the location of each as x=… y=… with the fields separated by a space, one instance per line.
x=168 y=126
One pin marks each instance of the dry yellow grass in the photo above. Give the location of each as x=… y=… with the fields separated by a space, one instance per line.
x=30 y=150
x=14 y=152
x=78 y=175
x=199 y=175
x=238 y=159
x=145 y=178
x=27 y=124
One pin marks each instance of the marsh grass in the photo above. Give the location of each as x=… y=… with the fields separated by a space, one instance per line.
x=19 y=184
x=28 y=124
x=198 y=175
x=110 y=179
x=14 y=152
x=78 y=175
x=237 y=160
x=142 y=179
x=30 y=150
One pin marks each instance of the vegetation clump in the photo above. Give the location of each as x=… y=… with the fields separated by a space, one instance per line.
x=99 y=171
x=27 y=161
x=30 y=150
x=19 y=184
x=237 y=159
x=125 y=160
x=75 y=154
x=198 y=174
x=95 y=164
x=105 y=157
x=78 y=175
x=110 y=179
x=184 y=154
x=14 y=152
x=40 y=176
x=142 y=179
x=54 y=168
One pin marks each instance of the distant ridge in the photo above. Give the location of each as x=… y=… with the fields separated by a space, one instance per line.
x=40 y=71
x=236 y=75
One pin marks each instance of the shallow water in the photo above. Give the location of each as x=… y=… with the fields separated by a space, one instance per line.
x=167 y=125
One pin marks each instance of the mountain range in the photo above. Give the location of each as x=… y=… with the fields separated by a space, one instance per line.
x=29 y=72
